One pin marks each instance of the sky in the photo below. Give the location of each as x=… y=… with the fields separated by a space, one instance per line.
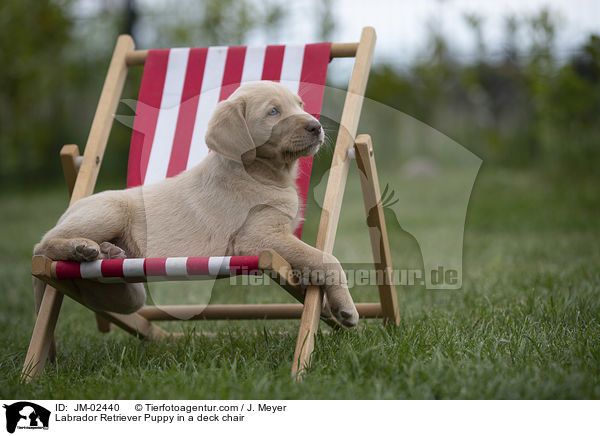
x=403 y=26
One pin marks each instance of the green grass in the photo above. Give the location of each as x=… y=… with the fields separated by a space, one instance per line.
x=526 y=324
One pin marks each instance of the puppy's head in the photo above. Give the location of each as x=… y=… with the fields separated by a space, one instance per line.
x=266 y=120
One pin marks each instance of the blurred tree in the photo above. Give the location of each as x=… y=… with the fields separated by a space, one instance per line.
x=475 y=23
x=212 y=22
x=326 y=23
x=131 y=16
x=523 y=107
x=568 y=111
x=55 y=54
x=33 y=35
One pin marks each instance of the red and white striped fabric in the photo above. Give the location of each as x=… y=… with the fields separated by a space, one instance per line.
x=181 y=88
x=157 y=268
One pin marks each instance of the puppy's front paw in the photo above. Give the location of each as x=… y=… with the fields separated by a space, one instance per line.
x=342 y=306
x=111 y=251
x=348 y=317
x=84 y=250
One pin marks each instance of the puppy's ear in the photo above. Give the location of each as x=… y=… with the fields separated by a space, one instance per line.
x=228 y=132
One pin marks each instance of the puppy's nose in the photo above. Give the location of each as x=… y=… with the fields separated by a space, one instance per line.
x=313 y=127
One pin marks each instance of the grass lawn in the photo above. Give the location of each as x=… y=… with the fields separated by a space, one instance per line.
x=526 y=324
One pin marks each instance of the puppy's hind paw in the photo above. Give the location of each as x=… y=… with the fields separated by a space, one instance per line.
x=85 y=250
x=342 y=306
x=111 y=251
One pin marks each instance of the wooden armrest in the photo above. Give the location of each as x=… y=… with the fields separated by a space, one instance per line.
x=71 y=161
x=41 y=267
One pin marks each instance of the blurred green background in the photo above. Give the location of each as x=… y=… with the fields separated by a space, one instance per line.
x=517 y=104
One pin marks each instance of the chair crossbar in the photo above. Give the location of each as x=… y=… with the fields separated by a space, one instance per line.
x=240 y=311
x=143 y=269
x=338 y=50
x=170 y=269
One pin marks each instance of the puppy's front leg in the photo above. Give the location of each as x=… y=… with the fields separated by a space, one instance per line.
x=323 y=270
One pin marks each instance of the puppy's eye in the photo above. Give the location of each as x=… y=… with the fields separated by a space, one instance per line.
x=273 y=111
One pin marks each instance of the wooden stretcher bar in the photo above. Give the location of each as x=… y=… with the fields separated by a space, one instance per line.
x=240 y=311
x=338 y=50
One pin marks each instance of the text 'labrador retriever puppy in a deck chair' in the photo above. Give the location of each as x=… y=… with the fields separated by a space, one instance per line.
x=236 y=210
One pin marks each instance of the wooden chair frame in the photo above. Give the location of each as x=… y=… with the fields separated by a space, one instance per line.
x=81 y=173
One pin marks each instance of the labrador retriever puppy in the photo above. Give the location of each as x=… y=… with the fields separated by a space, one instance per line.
x=239 y=200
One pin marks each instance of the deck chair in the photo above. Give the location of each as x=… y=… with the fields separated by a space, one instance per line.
x=179 y=90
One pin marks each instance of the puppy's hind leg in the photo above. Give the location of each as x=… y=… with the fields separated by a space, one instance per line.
x=111 y=251
x=111 y=297
x=74 y=249
x=86 y=224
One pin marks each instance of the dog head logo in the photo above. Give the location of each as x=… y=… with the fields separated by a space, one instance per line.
x=26 y=415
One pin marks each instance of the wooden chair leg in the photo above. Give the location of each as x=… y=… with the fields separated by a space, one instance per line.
x=82 y=186
x=380 y=246
x=334 y=193
x=309 y=325
x=104 y=325
x=52 y=351
x=43 y=335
